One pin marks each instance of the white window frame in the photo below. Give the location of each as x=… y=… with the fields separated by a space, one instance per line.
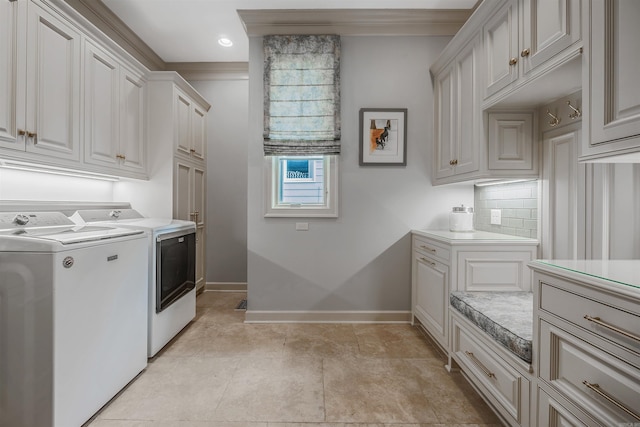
x=274 y=210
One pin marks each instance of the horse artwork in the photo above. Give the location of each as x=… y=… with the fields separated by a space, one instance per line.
x=379 y=137
x=383 y=136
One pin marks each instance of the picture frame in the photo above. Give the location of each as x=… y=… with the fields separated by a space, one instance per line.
x=383 y=137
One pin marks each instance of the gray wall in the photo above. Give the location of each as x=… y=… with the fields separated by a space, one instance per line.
x=226 y=178
x=361 y=260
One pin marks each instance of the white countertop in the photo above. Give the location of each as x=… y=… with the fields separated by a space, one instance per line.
x=614 y=274
x=473 y=237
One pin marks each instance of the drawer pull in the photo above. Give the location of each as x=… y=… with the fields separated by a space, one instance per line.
x=480 y=365
x=427 y=248
x=599 y=321
x=433 y=264
x=596 y=388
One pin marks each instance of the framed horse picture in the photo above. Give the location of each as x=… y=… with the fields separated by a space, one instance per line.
x=383 y=137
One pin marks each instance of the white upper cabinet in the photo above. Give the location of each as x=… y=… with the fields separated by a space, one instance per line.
x=611 y=92
x=52 y=122
x=548 y=28
x=458 y=115
x=512 y=144
x=132 y=120
x=501 y=48
x=101 y=107
x=39 y=83
x=69 y=96
x=190 y=128
x=527 y=38
x=113 y=113
x=8 y=78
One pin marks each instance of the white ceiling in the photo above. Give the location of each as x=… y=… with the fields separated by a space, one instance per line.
x=188 y=30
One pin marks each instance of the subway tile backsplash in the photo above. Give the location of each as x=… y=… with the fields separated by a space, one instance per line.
x=518 y=202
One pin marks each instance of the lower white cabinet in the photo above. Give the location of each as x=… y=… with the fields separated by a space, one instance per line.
x=587 y=318
x=431 y=299
x=443 y=261
x=505 y=384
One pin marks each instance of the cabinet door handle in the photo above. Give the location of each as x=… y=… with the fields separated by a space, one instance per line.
x=427 y=248
x=513 y=61
x=525 y=52
x=33 y=135
x=599 y=321
x=479 y=364
x=596 y=388
x=21 y=132
x=431 y=263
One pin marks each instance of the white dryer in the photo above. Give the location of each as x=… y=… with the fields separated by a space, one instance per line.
x=172 y=261
x=72 y=317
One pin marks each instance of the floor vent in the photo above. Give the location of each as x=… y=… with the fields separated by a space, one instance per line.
x=242 y=305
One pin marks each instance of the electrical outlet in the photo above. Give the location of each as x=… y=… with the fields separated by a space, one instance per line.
x=302 y=226
x=496 y=217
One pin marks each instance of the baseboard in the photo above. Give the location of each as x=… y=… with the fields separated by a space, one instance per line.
x=256 y=316
x=226 y=286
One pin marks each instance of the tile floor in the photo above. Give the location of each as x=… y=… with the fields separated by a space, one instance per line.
x=222 y=372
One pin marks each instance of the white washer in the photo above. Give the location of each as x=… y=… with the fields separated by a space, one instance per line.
x=172 y=250
x=72 y=317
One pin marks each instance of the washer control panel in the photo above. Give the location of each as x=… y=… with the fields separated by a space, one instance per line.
x=10 y=220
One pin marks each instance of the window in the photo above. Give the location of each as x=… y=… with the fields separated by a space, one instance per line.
x=301 y=125
x=297 y=170
x=301 y=186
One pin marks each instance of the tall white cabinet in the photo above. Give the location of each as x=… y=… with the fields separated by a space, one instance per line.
x=177 y=154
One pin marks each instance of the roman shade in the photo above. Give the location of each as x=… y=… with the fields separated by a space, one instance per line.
x=301 y=95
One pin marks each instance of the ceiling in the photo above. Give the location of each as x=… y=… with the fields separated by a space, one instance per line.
x=188 y=30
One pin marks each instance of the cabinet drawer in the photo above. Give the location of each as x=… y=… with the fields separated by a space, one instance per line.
x=431 y=248
x=506 y=384
x=576 y=308
x=592 y=379
x=552 y=413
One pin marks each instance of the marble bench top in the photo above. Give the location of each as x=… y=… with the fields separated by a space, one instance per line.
x=506 y=316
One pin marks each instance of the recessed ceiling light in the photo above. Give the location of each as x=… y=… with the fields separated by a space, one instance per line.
x=224 y=42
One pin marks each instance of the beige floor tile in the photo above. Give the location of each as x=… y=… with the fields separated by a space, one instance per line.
x=274 y=389
x=128 y=423
x=174 y=388
x=394 y=341
x=244 y=340
x=320 y=340
x=220 y=372
x=374 y=391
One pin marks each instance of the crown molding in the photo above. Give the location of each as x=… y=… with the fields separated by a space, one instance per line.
x=199 y=71
x=366 y=22
x=108 y=22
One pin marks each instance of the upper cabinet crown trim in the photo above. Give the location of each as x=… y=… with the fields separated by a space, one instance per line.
x=395 y=22
x=102 y=18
